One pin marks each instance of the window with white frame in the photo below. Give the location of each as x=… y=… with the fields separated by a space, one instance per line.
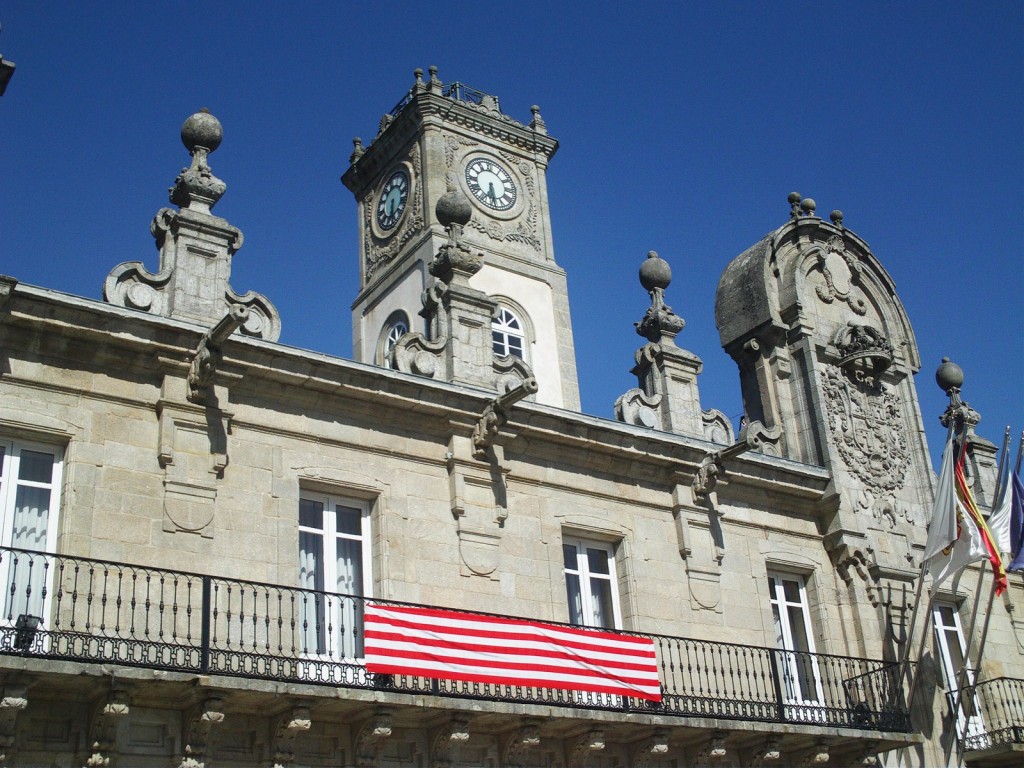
x=508 y=334
x=949 y=637
x=30 y=476
x=590 y=583
x=794 y=638
x=334 y=574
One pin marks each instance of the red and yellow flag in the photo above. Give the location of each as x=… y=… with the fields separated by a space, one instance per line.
x=966 y=498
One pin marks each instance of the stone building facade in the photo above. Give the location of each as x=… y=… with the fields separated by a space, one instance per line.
x=196 y=518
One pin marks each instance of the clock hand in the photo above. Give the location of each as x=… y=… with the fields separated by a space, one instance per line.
x=490 y=192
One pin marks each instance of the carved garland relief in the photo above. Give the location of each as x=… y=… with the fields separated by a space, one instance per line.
x=381 y=251
x=523 y=229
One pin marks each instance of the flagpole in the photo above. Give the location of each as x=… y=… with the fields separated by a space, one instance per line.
x=973 y=694
x=966 y=704
x=905 y=653
x=965 y=665
x=1016 y=472
x=1001 y=476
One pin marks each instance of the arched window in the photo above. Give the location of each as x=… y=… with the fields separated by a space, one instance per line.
x=394 y=329
x=507 y=332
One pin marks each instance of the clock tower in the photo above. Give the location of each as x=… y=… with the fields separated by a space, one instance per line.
x=442 y=138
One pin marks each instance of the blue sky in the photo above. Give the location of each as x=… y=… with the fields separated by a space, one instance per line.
x=683 y=126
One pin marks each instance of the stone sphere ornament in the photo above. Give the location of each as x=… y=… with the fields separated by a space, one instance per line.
x=202 y=130
x=453 y=207
x=655 y=272
x=949 y=376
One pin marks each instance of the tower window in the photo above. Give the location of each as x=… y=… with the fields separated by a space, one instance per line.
x=507 y=332
x=394 y=329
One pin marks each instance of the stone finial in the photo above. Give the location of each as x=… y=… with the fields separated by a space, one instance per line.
x=958 y=414
x=418 y=76
x=196 y=188
x=794 y=204
x=659 y=321
x=357 y=150
x=807 y=207
x=453 y=212
x=435 y=82
x=949 y=376
x=836 y=217
x=537 y=122
x=196 y=249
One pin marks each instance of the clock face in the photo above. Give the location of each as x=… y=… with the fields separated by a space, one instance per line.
x=491 y=184
x=393 y=197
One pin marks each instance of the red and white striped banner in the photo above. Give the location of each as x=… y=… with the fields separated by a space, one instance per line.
x=450 y=645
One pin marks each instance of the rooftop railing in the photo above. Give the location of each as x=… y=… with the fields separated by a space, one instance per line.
x=456 y=90
x=62 y=607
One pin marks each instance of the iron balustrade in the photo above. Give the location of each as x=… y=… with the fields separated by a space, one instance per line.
x=75 y=608
x=455 y=90
x=998 y=713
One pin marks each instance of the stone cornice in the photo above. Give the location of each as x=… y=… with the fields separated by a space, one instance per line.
x=603 y=446
x=427 y=107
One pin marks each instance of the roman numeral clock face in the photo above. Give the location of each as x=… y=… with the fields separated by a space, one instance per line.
x=491 y=184
x=393 y=198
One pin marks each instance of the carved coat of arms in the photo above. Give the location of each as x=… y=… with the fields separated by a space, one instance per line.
x=867 y=430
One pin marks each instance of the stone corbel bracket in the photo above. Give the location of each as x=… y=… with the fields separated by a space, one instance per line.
x=714 y=752
x=765 y=755
x=203 y=365
x=12 y=703
x=651 y=750
x=495 y=416
x=297 y=720
x=200 y=722
x=817 y=755
x=103 y=729
x=582 y=748
x=369 y=737
x=752 y=436
x=445 y=751
x=522 y=740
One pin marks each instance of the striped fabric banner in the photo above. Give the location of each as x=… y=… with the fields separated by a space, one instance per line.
x=450 y=645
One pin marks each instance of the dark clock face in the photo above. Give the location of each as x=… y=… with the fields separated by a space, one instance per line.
x=393 y=197
x=491 y=184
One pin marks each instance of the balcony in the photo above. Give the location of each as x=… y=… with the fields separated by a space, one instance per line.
x=996 y=731
x=89 y=611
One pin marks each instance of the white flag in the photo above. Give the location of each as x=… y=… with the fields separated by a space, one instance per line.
x=942 y=530
x=999 y=524
x=954 y=540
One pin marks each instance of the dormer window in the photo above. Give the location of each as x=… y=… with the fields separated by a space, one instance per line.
x=507 y=332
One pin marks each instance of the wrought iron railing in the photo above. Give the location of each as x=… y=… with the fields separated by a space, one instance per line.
x=57 y=606
x=463 y=92
x=456 y=90
x=997 y=708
